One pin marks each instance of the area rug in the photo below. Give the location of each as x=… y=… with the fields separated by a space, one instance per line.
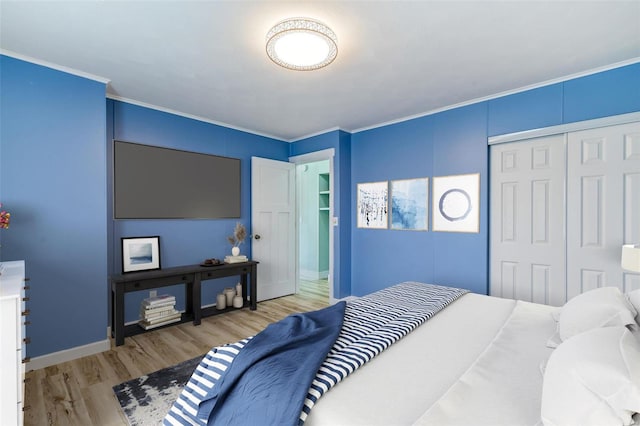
x=147 y=399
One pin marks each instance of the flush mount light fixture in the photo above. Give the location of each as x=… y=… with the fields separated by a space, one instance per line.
x=302 y=44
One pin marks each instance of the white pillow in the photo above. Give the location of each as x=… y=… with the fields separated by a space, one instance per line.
x=600 y=307
x=593 y=379
x=634 y=299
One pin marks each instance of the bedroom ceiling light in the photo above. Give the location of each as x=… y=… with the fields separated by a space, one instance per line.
x=302 y=44
x=631 y=257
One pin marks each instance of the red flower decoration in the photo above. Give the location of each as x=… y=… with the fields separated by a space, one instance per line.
x=5 y=218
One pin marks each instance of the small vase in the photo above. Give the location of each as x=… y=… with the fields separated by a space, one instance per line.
x=221 y=301
x=235 y=250
x=238 y=302
x=239 y=289
x=229 y=294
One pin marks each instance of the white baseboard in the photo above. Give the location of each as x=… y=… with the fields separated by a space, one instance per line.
x=307 y=274
x=68 y=355
x=311 y=275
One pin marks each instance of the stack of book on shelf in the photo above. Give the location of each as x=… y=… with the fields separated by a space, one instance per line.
x=158 y=311
x=235 y=259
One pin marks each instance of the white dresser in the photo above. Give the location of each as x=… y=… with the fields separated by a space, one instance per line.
x=12 y=340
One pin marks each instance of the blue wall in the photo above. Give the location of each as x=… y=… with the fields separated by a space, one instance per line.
x=53 y=181
x=185 y=242
x=340 y=141
x=455 y=142
x=381 y=258
x=56 y=133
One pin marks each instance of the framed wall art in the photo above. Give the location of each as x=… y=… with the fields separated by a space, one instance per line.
x=456 y=203
x=410 y=204
x=140 y=254
x=372 y=208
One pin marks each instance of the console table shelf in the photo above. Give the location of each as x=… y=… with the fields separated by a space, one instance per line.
x=191 y=276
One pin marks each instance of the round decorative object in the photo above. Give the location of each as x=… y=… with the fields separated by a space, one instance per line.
x=229 y=294
x=455 y=205
x=221 y=301
x=301 y=44
x=235 y=250
x=238 y=302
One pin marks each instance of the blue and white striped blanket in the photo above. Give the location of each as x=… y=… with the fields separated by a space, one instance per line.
x=371 y=324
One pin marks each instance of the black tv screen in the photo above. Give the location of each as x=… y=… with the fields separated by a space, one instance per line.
x=151 y=182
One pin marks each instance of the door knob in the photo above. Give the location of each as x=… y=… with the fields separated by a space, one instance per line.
x=257 y=236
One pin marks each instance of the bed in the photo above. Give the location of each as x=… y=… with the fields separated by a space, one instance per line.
x=465 y=359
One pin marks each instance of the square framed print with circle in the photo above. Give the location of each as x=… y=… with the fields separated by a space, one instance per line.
x=456 y=203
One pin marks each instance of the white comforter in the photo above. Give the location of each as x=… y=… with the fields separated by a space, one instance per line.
x=475 y=363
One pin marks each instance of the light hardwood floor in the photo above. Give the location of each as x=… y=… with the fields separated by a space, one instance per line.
x=79 y=392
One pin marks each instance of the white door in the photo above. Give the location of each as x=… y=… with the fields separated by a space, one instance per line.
x=527 y=245
x=604 y=206
x=601 y=206
x=273 y=189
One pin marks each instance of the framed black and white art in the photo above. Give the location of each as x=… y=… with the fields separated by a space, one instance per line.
x=372 y=205
x=140 y=254
x=456 y=203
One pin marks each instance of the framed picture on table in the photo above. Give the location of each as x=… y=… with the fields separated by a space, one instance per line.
x=140 y=254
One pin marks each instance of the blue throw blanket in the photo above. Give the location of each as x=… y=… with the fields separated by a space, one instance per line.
x=275 y=378
x=273 y=367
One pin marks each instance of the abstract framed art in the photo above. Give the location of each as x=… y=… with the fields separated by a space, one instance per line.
x=140 y=254
x=372 y=208
x=410 y=204
x=456 y=202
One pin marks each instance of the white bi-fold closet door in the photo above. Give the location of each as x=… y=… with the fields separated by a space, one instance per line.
x=603 y=200
x=527 y=220
x=561 y=208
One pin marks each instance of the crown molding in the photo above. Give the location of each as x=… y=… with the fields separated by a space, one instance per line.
x=506 y=93
x=321 y=132
x=55 y=66
x=191 y=116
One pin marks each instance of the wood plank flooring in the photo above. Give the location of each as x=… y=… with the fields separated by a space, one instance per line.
x=79 y=392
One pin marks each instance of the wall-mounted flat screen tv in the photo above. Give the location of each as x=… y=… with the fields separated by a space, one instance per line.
x=152 y=182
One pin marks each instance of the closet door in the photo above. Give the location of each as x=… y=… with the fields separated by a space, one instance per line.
x=527 y=247
x=603 y=198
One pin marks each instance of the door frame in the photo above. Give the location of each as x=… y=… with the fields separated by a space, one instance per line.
x=312 y=157
x=612 y=120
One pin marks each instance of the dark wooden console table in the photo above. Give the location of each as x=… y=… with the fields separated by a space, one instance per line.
x=191 y=276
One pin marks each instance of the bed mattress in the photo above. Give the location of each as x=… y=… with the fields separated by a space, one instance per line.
x=476 y=362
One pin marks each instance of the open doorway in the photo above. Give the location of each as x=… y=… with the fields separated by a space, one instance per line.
x=315 y=280
x=313 y=181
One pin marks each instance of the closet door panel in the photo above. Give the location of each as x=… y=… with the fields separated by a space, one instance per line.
x=603 y=196
x=631 y=201
x=527 y=220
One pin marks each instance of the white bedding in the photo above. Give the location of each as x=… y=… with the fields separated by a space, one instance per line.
x=476 y=362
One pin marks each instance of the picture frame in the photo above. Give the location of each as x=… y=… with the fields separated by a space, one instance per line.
x=373 y=205
x=410 y=204
x=140 y=254
x=456 y=203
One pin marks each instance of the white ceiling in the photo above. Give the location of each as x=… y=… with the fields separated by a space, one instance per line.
x=396 y=59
